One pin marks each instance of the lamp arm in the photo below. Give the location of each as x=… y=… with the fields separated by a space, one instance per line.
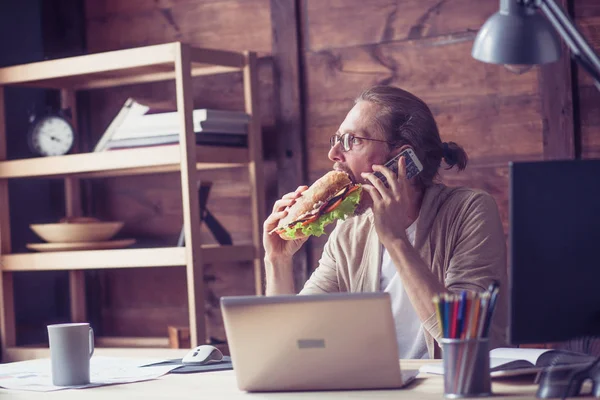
x=581 y=50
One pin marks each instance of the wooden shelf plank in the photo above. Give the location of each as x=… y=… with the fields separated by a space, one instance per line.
x=143 y=77
x=89 y=64
x=141 y=160
x=119 y=67
x=121 y=258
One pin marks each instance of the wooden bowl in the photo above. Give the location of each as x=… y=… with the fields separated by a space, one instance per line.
x=77 y=231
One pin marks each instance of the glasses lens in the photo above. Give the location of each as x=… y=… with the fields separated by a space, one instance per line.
x=347 y=141
x=333 y=140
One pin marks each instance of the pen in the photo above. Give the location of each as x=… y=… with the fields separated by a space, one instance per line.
x=474 y=317
x=467 y=315
x=483 y=313
x=438 y=311
x=491 y=306
x=461 y=314
x=447 y=315
x=455 y=310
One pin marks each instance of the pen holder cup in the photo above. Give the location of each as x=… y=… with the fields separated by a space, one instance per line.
x=466 y=368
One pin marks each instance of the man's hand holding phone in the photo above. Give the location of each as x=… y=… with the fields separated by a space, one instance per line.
x=395 y=199
x=413 y=165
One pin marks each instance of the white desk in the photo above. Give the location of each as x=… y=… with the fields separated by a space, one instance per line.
x=222 y=385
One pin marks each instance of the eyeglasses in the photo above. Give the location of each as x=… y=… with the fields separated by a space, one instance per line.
x=348 y=139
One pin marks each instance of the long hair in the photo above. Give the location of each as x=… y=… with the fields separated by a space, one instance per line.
x=403 y=118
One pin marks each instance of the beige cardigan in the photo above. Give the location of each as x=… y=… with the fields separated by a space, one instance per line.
x=459 y=235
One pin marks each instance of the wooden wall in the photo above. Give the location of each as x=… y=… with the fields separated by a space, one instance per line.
x=347 y=45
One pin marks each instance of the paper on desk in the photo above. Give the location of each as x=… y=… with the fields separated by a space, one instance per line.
x=35 y=375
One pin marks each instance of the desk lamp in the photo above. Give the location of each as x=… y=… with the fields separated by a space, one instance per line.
x=519 y=37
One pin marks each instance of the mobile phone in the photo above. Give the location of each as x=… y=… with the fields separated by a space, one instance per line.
x=413 y=165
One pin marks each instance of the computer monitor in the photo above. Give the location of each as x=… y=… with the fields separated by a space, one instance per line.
x=554 y=247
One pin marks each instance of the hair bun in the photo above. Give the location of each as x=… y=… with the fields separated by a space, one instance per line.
x=454 y=155
x=448 y=155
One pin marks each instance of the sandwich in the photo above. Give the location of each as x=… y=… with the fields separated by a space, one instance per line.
x=332 y=197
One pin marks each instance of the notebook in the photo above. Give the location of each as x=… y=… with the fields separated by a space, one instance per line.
x=507 y=361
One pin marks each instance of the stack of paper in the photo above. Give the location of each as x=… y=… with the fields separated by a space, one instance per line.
x=35 y=375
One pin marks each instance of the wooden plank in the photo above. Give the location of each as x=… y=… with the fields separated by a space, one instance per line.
x=586 y=8
x=217 y=57
x=100 y=83
x=383 y=21
x=7 y=306
x=132 y=161
x=77 y=295
x=73 y=206
x=589 y=113
x=179 y=337
x=220 y=24
x=189 y=194
x=590 y=30
x=438 y=70
x=287 y=71
x=588 y=20
x=255 y=166
x=556 y=95
x=121 y=258
x=5 y=245
x=166 y=169
x=9 y=326
x=88 y=64
x=72 y=197
x=89 y=259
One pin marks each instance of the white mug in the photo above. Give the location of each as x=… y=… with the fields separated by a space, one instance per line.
x=71 y=347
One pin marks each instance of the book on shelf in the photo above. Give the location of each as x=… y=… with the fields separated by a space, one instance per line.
x=139 y=124
x=130 y=109
x=203 y=138
x=160 y=130
x=506 y=361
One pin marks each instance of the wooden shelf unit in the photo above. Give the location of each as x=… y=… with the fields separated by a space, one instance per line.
x=172 y=61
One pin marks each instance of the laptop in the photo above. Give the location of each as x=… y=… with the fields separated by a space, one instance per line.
x=336 y=341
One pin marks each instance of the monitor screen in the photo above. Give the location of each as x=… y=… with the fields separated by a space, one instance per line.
x=554 y=250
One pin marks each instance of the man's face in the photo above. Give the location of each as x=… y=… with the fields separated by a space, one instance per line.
x=364 y=153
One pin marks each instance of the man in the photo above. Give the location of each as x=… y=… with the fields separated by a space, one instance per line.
x=414 y=239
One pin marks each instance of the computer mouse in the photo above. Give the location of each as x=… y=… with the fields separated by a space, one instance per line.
x=203 y=354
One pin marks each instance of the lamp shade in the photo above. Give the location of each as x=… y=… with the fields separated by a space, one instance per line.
x=517 y=34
